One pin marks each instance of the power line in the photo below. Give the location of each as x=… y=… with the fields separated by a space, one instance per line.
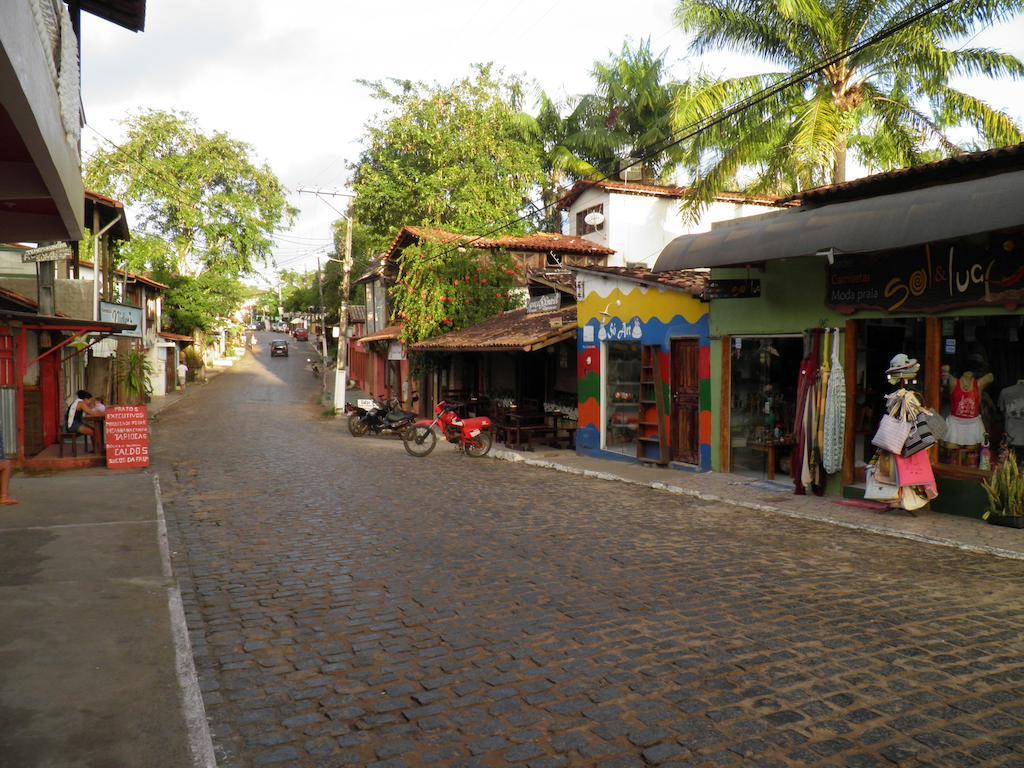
x=699 y=126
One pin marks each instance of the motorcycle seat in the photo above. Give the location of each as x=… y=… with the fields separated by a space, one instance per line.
x=400 y=416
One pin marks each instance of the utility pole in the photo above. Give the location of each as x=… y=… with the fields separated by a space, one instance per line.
x=323 y=326
x=341 y=371
x=341 y=377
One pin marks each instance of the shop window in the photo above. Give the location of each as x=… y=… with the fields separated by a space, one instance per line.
x=982 y=388
x=878 y=341
x=622 y=396
x=582 y=228
x=765 y=372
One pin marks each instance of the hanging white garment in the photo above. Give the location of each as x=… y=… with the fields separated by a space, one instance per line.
x=835 y=414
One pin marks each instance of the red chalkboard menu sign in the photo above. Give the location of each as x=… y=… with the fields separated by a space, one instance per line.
x=127 y=436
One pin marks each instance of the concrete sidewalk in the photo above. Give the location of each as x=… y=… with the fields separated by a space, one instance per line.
x=777 y=497
x=93 y=649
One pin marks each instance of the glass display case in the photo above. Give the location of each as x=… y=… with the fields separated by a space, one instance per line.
x=622 y=396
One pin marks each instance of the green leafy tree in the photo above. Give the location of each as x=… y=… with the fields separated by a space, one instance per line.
x=204 y=194
x=441 y=288
x=628 y=116
x=891 y=103
x=194 y=303
x=452 y=156
x=560 y=163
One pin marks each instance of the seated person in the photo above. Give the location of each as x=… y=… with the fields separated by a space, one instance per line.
x=83 y=405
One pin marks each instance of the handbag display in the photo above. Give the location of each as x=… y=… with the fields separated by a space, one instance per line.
x=892 y=434
x=911 y=498
x=875 y=490
x=920 y=437
x=936 y=423
x=914 y=470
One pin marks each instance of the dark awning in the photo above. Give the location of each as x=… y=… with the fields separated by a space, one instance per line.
x=941 y=212
x=33 y=321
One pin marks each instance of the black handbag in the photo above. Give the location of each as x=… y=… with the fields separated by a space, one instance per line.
x=920 y=437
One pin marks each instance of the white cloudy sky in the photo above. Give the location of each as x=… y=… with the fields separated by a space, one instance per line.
x=281 y=75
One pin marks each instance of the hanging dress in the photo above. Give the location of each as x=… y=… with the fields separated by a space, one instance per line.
x=835 y=414
x=803 y=428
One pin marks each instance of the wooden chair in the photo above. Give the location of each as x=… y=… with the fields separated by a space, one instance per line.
x=73 y=438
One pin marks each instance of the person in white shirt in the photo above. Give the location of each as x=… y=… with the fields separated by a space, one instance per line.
x=182 y=374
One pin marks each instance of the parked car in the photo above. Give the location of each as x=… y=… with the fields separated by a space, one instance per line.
x=302 y=334
x=279 y=327
x=279 y=347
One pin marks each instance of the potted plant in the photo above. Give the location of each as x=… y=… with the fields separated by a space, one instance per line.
x=1005 y=490
x=135 y=376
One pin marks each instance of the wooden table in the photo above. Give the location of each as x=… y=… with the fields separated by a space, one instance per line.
x=768 y=446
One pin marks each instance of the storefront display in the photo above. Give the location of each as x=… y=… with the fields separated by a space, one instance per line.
x=622 y=396
x=764 y=375
x=900 y=474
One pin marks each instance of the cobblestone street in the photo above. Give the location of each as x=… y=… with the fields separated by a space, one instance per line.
x=351 y=605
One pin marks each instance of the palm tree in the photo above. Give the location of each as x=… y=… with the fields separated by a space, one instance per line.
x=890 y=103
x=560 y=164
x=628 y=116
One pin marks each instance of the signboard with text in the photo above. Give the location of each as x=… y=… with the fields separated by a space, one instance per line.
x=126 y=432
x=122 y=313
x=732 y=289
x=55 y=252
x=928 y=280
x=544 y=303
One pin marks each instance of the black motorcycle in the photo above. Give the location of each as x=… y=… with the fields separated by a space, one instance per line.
x=385 y=417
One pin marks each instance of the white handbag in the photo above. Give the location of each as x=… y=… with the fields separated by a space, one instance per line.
x=874 y=490
x=892 y=434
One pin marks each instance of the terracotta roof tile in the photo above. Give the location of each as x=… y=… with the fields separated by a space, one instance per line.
x=538 y=241
x=656 y=190
x=969 y=164
x=690 y=281
x=514 y=331
x=389 y=333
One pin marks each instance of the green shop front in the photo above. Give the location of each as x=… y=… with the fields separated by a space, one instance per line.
x=929 y=264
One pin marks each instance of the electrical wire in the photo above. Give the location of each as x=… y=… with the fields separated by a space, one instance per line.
x=699 y=126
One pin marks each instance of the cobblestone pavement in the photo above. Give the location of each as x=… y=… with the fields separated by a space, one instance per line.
x=352 y=605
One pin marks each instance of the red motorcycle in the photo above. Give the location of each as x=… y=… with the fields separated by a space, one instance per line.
x=471 y=435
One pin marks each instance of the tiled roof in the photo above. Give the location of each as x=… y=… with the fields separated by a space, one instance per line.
x=382 y=267
x=959 y=168
x=174 y=336
x=18 y=298
x=357 y=313
x=558 y=278
x=656 y=190
x=514 y=331
x=390 y=333
x=689 y=281
x=538 y=241
x=131 y=276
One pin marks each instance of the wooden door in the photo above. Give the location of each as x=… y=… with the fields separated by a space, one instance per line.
x=685 y=434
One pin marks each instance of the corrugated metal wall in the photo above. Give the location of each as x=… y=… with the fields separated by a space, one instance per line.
x=9 y=420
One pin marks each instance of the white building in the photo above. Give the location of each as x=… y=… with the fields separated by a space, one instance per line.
x=638 y=220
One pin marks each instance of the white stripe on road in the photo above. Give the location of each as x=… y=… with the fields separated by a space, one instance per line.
x=193 y=710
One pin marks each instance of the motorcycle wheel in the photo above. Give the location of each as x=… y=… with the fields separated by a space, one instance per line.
x=356 y=426
x=480 y=444
x=419 y=441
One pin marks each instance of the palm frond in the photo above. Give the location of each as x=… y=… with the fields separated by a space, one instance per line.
x=957 y=108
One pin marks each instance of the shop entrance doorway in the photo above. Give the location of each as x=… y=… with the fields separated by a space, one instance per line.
x=685 y=434
x=764 y=375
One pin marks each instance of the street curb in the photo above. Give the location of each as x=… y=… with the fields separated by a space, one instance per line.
x=512 y=456
x=193 y=710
